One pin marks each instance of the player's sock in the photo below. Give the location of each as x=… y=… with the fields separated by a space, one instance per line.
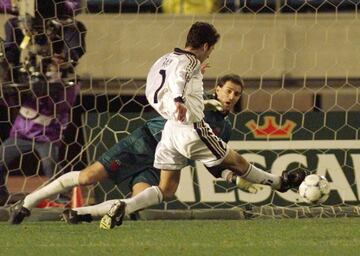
x=256 y=175
x=146 y=198
x=61 y=184
x=98 y=210
x=227 y=175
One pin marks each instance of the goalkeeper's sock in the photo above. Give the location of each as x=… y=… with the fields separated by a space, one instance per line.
x=98 y=210
x=148 y=197
x=256 y=175
x=61 y=184
x=145 y=199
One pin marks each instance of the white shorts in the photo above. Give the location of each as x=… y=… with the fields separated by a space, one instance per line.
x=180 y=142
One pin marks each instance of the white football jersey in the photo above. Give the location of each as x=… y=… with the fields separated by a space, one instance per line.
x=176 y=74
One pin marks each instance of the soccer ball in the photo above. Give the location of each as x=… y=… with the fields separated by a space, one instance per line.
x=314 y=189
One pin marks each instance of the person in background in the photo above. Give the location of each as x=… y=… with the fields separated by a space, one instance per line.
x=41 y=50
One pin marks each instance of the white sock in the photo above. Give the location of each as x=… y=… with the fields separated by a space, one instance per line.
x=256 y=175
x=97 y=210
x=146 y=198
x=227 y=175
x=61 y=184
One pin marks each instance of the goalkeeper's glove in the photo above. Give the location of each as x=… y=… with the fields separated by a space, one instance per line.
x=246 y=185
x=213 y=105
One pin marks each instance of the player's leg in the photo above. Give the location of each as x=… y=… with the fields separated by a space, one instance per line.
x=142 y=181
x=170 y=161
x=289 y=179
x=169 y=181
x=241 y=167
x=166 y=158
x=148 y=197
x=212 y=151
x=90 y=175
x=139 y=187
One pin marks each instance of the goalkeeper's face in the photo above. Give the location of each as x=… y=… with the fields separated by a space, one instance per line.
x=229 y=94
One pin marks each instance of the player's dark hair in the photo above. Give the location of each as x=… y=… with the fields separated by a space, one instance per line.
x=201 y=33
x=236 y=80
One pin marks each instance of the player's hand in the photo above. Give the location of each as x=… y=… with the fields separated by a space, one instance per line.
x=247 y=185
x=213 y=105
x=180 y=111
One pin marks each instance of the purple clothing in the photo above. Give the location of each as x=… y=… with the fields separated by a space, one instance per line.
x=54 y=103
x=5 y=6
x=58 y=112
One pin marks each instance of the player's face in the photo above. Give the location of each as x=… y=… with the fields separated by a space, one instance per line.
x=206 y=52
x=228 y=95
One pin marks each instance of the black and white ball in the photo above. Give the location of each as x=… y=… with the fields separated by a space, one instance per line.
x=314 y=189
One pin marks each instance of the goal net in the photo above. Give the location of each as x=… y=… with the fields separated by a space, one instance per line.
x=299 y=107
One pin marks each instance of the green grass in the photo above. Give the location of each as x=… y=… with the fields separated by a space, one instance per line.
x=198 y=237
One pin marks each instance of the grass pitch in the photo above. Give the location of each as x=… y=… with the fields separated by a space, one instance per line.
x=339 y=236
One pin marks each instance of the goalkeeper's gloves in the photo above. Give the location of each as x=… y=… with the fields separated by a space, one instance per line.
x=213 y=105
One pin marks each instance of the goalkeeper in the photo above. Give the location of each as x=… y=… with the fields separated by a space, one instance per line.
x=133 y=157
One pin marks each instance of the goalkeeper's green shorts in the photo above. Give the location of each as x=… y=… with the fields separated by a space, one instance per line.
x=150 y=176
x=132 y=155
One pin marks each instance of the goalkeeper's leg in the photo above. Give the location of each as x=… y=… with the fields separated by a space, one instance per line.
x=87 y=213
x=90 y=175
x=80 y=214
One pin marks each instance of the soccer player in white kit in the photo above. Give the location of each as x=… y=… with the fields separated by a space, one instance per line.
x=174 y=88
